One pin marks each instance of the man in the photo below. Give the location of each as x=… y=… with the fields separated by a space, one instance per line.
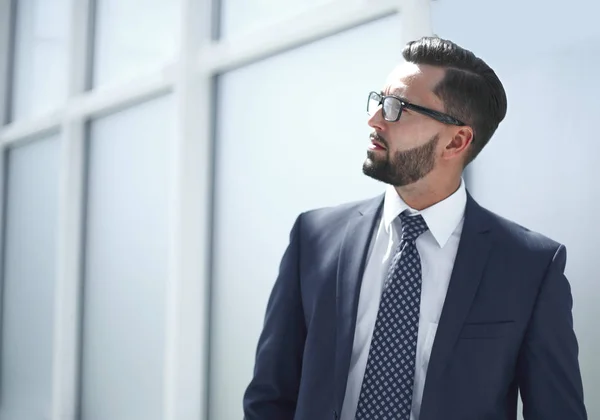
x=420 y=304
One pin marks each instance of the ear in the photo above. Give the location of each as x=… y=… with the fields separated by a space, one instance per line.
x=460 y=140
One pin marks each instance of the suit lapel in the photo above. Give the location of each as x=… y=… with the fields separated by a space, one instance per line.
x=351 y=266
x=469 y=265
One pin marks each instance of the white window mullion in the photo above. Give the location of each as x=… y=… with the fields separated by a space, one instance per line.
x=80 y=45
x=186 y=355
x=68 y=280
x=91 y=104
x=316 y=23
x=5 y=56
x=68 y=290
x=22 y=131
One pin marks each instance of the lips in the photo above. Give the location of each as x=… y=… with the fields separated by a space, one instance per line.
x=375 y=139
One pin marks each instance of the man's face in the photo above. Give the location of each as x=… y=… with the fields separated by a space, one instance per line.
x=405 y=151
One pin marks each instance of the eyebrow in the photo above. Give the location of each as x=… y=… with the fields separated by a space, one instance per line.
x=397 y=94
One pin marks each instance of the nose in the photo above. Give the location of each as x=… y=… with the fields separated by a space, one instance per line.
x=377 y=121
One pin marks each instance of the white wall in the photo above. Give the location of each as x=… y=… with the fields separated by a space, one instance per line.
x=540 y=169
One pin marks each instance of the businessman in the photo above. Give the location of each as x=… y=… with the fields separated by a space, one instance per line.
x=420 y=304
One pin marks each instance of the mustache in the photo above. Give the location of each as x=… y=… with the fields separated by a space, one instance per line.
x=376 y=137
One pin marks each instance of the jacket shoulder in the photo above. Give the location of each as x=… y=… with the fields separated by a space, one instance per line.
x=338 y=214
x=327 y=225
x=520 y=237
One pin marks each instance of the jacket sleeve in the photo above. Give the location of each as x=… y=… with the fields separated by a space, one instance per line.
x=548 y=371
x=273 y=391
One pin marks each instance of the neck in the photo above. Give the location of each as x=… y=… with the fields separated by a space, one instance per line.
x=427 y=192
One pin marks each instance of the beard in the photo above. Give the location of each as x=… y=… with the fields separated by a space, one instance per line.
x=403 y=167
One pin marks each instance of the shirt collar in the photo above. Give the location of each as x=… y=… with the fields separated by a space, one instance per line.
x=442 y=218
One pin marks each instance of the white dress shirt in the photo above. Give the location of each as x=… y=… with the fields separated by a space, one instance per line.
x=437 y=248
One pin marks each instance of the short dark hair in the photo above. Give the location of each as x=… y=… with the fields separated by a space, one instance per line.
x=470 y=90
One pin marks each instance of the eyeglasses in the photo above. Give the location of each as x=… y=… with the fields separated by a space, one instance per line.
x=393 y=106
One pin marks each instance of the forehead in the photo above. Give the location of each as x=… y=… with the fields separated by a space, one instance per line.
x=415 y=82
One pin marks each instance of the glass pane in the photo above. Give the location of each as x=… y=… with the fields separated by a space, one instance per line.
x=280 y=157
x=41 y=57
x=541 y=167
x=126 y=264
x=243 y=16
x=29 y=278
x=133 y=36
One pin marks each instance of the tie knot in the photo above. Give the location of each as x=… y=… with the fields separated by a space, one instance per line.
x=412 y=226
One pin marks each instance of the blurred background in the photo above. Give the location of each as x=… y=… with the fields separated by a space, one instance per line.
x=155 y=154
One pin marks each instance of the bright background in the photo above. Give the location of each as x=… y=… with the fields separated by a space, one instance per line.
x=156 y=153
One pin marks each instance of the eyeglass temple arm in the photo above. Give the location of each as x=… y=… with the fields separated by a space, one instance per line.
x=434 y=114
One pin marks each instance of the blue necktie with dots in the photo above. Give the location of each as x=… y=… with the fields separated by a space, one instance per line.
x=387 y=388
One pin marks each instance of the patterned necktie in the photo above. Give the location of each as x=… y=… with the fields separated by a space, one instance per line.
x=387 y=387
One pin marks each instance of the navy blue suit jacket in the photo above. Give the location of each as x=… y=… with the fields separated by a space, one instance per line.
x=506 y=324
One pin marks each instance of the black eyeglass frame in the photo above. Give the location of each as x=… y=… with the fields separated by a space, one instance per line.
x=436 y=115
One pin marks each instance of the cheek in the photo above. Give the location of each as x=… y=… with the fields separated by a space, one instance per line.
x=410 y=135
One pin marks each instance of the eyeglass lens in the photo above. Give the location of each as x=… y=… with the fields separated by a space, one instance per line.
x=391 y=106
